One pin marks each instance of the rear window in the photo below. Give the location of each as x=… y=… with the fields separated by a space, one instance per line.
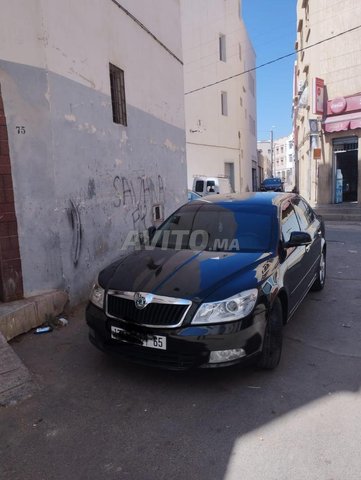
x=272 y=181
x=199 y=186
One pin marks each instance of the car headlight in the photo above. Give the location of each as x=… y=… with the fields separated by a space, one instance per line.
x=232 y=308
x=97 y=295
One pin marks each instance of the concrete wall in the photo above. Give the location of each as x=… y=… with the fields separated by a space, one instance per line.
x=81 y=182
x=212 y=138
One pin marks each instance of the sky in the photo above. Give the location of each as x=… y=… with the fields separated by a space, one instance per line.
x=271 y=26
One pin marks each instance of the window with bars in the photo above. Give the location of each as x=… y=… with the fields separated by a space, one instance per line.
x=117 y=90
x=222 y=48
x=224 y=103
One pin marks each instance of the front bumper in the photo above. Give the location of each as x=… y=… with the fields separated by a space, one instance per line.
x=187 y=346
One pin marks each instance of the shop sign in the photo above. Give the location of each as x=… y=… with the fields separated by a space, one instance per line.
x=318 y=88
x=317 y=154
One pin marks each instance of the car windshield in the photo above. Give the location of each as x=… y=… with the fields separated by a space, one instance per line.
x=271 y=181
x=217 y=228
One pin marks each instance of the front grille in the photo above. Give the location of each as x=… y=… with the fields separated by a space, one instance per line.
x=153 y=314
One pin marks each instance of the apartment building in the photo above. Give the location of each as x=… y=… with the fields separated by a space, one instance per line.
x=327 y=101
x=283 y=161
x=220 y=115
x=92 y=138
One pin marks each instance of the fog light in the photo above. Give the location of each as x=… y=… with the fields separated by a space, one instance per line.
x=220 y=356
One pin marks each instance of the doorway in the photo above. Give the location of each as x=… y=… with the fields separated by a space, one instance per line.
x=11 y=283
x=346 y=161
x=229 y=172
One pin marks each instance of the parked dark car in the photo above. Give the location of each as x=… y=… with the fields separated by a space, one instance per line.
x=223 y=277
x=272 y=185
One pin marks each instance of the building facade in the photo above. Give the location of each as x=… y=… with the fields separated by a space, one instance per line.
x=264 y=160
x=92 y=136
x=327 y=101
x=284 y=161
x=220 y=115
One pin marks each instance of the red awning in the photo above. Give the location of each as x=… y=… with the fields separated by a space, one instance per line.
x=355 y=123
x=341 y=123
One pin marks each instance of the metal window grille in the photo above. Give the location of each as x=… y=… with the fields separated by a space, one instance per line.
x=224 y=103
x=117 y=90
x=222 y=48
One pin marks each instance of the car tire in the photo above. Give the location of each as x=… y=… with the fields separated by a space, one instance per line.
x=272 y=343
x=319 y=283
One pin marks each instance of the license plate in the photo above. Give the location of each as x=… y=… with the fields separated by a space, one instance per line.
x=156 y=341
x=149 y=341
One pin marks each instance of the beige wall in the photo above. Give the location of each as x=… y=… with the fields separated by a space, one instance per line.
x=337 y=62
x=212 y=138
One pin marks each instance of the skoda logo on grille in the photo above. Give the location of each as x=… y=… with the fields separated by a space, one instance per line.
x=141 y=301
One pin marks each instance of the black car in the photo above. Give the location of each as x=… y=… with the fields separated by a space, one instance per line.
x=215 y=285
x=272 y=185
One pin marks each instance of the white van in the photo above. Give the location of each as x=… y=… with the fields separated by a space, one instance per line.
x=210 y=185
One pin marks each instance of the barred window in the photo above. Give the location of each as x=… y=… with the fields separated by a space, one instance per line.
x=222 y=48
x=117 y=90
x=224 y=103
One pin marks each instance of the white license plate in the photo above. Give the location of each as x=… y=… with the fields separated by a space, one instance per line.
x=149 y=341
x=156 y=341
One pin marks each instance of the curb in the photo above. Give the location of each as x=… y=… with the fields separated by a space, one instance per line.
x=22 y=315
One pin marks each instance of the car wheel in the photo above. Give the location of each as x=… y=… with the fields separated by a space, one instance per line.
x=319 y=283
x=272 y=342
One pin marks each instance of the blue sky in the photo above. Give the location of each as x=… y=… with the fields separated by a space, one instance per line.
x=271 y=25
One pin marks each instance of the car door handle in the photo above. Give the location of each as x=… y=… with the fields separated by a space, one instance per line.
x=319 y=233
x=308 y=248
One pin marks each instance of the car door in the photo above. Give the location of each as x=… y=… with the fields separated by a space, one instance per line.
x=293 y=265
x=310 y=224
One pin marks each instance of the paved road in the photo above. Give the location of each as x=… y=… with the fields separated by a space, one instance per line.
x=93 y=418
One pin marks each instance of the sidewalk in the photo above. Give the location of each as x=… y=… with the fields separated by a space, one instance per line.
x=16 y=318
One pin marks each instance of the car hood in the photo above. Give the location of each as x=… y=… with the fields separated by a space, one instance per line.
x=187 y=274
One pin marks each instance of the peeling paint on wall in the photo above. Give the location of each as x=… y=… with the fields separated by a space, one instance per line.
x=171 y=146
x=123 y=137
x=70 y=118
x=87 y=128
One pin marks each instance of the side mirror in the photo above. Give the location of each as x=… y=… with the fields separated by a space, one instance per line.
x=298 y=239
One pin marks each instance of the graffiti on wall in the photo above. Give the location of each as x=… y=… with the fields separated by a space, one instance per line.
x=75 y=222
x=143 y=196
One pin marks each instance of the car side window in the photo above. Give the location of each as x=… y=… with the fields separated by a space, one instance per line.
x=310 y=214
x=211 y=186
x=302 y=213
x=289 y=222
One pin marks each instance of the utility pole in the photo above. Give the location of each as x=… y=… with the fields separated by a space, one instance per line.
x=272 y=154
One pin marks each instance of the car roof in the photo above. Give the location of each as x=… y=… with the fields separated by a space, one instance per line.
x=249 y=198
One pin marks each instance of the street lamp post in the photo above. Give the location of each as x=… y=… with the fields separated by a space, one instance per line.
x=272 y=161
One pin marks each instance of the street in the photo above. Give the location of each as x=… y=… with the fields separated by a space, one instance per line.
x=93 y=417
